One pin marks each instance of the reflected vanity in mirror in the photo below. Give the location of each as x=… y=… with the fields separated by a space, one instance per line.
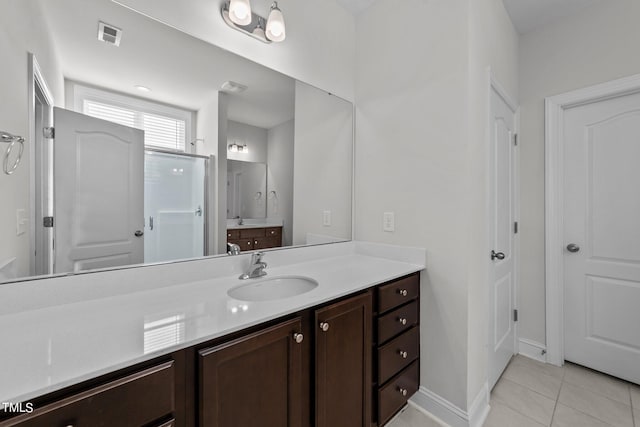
x=161 y=147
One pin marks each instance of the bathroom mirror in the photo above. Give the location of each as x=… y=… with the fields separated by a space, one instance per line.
x=93 y=194
x=246 y=190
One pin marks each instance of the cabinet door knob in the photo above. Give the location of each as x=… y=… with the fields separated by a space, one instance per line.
x=403 y=354
x=402 y=391
x=403 y=292
x=402 y=320
x=298 y=338
x=324 y=326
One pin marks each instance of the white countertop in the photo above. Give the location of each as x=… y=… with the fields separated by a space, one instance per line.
x=47 y=348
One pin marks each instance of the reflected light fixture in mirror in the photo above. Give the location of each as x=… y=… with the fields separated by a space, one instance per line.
x=237 y=148
x=240 y=12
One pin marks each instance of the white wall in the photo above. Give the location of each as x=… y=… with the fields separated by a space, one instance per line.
x=254 y=137
x=411 y=159
x=207 y=129
x=22 y=30
x=323 y=159
x=493 y=44
x=280 y=177
x=595 y=46
x=319 y=48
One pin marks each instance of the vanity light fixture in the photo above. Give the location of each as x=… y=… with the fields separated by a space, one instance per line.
x=275 y=24
x=142 y=88
x=238 y=15
x=240 y=12
x=237 y=148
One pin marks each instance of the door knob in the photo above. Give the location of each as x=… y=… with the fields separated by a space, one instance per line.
x=498 y=255
x=138 y=233
x=324 y=326
x=298 y=338
x=573 y=248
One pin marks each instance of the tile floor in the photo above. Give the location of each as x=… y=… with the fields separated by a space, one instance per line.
x=533 y=394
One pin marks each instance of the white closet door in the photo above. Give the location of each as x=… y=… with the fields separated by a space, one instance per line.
x=502 y=336
x=602 y=236
x=99 y=193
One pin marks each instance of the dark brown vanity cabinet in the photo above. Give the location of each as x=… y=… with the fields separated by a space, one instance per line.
x=343 y=363
x=250 y=239
x=397 y=348
x=254 y=380
x=350 y=363
x=143 y=398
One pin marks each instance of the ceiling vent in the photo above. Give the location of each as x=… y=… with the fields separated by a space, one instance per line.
x=109 y=34
x=233 y=87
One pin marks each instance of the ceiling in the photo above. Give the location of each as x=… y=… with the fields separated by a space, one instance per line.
x=181 y=70
x=527 y=15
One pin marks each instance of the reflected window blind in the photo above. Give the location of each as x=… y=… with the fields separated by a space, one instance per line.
x=160 y=131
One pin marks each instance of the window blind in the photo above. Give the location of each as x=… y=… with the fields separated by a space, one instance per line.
x=159 y=131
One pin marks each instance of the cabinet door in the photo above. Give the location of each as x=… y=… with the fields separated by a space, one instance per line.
x=343 y=363
x=254 y=380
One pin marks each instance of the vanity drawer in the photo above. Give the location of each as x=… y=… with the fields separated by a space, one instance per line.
x=233 y=234
x=397 y=354
x=396 y=321
x=245 y=244
x=273 y=232
x=392 y=397
x=397 y=293
x=135 y=400
x=251 y=232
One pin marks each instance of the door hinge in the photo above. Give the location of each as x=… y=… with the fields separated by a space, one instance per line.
x=49 y=132
x=515 y=227
x=515 y=139
x=515 y=315
x=47 y=222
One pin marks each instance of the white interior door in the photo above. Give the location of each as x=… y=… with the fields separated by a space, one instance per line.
x=98 y=193
x=502 y=236
x=602 y=223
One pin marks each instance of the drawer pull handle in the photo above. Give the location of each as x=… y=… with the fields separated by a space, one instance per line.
x=402 y=320
x=403 y=292
x=324 y=326
x=403 y=354
x=402 y=391
x=298 y=338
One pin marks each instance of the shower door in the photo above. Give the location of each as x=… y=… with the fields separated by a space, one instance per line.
x=175 y=206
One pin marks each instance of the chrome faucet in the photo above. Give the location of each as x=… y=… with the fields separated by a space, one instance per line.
x=256 y=268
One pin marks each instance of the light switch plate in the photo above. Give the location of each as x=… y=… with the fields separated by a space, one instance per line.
x=388 y=222
x=326 y=218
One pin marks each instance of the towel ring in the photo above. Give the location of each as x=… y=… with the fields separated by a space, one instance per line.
x=12 y=140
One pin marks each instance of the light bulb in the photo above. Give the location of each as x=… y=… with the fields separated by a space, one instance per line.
x=240 y=12
x=259 y=30
x=275 y=24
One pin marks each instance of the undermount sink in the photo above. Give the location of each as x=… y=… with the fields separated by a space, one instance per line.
x=273 y=288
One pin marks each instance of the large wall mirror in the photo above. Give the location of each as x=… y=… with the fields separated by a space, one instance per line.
x=163 y=147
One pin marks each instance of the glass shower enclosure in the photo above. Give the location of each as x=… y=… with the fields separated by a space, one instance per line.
x=175 y=206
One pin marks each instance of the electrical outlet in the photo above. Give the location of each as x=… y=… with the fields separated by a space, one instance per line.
x=388 y=221
x=326 y=218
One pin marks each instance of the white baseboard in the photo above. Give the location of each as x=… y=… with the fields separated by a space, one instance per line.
x=450 y=414
x=479 y=409
x=533 y=350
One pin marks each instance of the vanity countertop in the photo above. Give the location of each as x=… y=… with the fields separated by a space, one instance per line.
x=252 y=224
x=47 y=348
x=243 y=226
